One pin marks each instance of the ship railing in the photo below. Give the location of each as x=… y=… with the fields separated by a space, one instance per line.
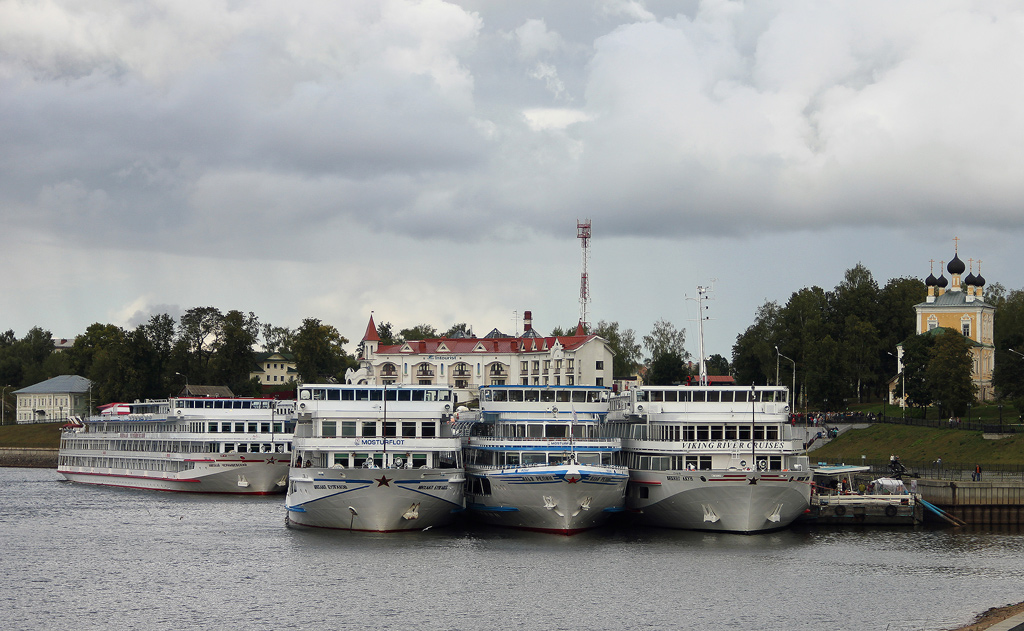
x=598 y=440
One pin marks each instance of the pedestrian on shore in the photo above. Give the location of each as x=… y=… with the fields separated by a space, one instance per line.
x=977 y=473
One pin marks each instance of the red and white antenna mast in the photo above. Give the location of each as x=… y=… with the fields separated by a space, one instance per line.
x=583 y=234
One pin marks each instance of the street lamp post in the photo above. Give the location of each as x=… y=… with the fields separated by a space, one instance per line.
x=187 y=392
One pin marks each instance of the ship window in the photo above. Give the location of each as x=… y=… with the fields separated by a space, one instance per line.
x=730 y=432
x=334 y=394
x=515 y=395
x=348 y=395
x=376 y=395
x=555 y=431
x=214 y=427
x=657 y=395
x=759 y=432
x=253 y=427
x=341 y=460
x=698 y=396
x=532 y=396
x=428 y=430
x=579 y=396
x=563 y=396
x=369 y=429
x=390 y=429
x=534 y=458
x=391 y=395
x=535 y=430
x=547 y=396
x=705 y=463
x=670 y=397
x=419 y=460
x=703 y=432
x=265 y=428
x=348 y=428
x=713 y=396
x=362 y=395
x=744 y=432
x=689 y=433
x=512 y=459
x=404 y=395
x=330 y=429
x=408 y=429
x=771 y=432
x=692 y=463
x=716 y=432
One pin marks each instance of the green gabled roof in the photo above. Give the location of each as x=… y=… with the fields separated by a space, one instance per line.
x=941 y=330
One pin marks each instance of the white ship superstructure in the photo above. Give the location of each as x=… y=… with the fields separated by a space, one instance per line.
x=375 y=458
x=535 y=459
x=204 y=445
x=712 y=457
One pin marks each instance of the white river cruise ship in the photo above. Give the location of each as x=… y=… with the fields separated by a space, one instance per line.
x=535 y=459
x=711 y=457
x=204 y=445
x=375 y=458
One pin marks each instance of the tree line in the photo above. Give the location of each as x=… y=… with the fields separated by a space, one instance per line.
x=204 y=346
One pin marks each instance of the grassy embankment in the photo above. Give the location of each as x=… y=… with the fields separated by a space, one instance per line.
x=45 y=435
x=920 y=444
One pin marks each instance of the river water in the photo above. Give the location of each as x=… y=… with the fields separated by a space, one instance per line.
x=84 y=557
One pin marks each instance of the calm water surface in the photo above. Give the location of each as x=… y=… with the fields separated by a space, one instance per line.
x=82 y=557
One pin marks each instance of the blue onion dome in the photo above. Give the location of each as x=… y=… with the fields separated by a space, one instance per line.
x=979 y=280
x=931 y=281
x=956 y=266
x=970 y=280
x=941 y=282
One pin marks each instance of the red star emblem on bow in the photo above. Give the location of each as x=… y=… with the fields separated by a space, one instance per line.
x=383 y=481
x=572 y=480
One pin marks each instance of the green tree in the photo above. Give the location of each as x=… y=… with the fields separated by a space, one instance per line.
x=717 y=365
x=319 y=352
x=949 y=373
x=624 y=345
x=666 y=369
x=276 y=339
x=753 y=354
x=460 y=328
x=665 y=339
x=917 y=352
x=860 y=349
x=419 y=332
x=199 y=329
x=234 y=357
x=387 y=334
x=824 y=378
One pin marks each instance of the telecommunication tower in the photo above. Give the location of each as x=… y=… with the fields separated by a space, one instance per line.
x=583 y=234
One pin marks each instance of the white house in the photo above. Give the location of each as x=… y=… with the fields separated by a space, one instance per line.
x=53 y=400
x=466 y=363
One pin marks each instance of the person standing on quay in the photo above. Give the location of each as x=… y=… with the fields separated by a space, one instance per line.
x=977 y=473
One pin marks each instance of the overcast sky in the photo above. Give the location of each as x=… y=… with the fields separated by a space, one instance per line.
x=428 y=161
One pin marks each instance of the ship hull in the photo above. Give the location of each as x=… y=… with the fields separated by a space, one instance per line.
x=375 y=500
x=253 y=476
x=743 y=502
x=562 y=500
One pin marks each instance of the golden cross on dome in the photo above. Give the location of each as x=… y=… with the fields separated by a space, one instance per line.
x=956 y=243
x=971 y=261
x=931 y=266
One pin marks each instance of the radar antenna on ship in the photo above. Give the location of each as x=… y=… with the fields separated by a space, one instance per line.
x=702 y=295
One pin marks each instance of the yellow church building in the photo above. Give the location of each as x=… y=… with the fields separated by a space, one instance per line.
x=959 y=304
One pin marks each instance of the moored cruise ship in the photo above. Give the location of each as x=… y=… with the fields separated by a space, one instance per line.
x=203 y=445
x=711 y=457
x=535 y=459
x=375 y=458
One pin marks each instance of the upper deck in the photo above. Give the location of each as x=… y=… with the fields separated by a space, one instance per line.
x=701 y=404
x=374 y=402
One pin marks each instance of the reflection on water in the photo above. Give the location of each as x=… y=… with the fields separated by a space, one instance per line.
x=87 y=557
